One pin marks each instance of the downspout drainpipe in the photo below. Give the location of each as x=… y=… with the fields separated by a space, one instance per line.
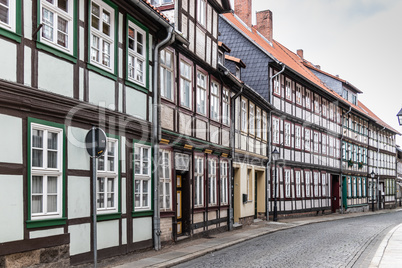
x=378 y=170
x=232 y=145
x=156 y=135
x=269 y=147
x=341 y=179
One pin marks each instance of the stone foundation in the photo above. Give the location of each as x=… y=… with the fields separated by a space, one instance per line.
x=41 y=258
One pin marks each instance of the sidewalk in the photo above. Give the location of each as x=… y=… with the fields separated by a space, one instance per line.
x=387 y=255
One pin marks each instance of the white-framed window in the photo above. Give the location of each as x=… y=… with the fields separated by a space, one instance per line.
x=166 y=74
x=165 y=181
x=287 y=134
x=316 y=103
x=288 y=89
x=243 y=115
x=354 y=187
x=275 y=175
x=349 y=187
x=298 y=186
x=316 y=182
x=214 y=101
x=220 y=57
x=161 y=2
x=225 y=106
x=298 y=94
x=277 y=85
x=57 y=19
x=324 y=144
x=224 y=182
x=264 y=126
x=185 y=85
x=316 y=142
x=324 y=184
x=107 y=178
x=237 y=72
x=308 y=182
x=324 y=108
x=7 y=14
x=201 y=93
x=275 y=130
x=360 y=186
x=258 y=123
x=338 y=147
x=142 y=177
x=287 y=183
x=308 y=99
x=46 y=150
x=251 y=119
x=201 y=11
x=199 y=181
x=102 y=35
x=136 y=54
x=297 y=137
x=331 y=111
x=212 y=181
x=307 y=139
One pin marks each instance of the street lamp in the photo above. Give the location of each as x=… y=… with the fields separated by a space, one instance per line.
x=399 y=115
x=275 y=157
x=372 y=174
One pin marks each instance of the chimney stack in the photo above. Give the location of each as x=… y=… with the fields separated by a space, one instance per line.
x=264 y=24
x=300 y=53
x=243 y=10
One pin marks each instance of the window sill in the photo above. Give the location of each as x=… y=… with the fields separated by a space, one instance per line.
x=101 y=71
x=142 y=213
x=106 y=217
x=56 y=52
x=137 y=86
x=11 y=35
x=46 y=222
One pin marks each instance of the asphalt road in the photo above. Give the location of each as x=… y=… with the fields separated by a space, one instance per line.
x=343 y=243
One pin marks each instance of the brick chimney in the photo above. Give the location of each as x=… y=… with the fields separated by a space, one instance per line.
x=264 y=24
x=243 y=10
x=300 y=53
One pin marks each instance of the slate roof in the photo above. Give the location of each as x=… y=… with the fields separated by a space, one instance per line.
x=281 y=54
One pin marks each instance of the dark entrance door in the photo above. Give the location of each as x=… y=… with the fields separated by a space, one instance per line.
x=335 y=193
x=182 y=203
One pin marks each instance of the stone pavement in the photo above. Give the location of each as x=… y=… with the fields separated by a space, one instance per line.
x=389 y=253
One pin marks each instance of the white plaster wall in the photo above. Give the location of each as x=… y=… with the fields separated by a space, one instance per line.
x=142 y=229
x=55 y=75
x=108 y=234
x=27 y=20
x=82 y=40
x=8 y=56
x=78 y=157
x=123 y=195
x=123 y=154
x=11 y=208
x=124 y=231
x=79 y=200
x=46 y=233
x=11 y=139
x=27 y=66
x=81 y=84
x=120 y=108
x=80 y=238
x=101 y=91
x=136 y=103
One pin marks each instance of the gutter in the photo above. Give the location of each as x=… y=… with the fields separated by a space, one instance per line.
x=156 y=130
x=341 y=179
x=269 y=147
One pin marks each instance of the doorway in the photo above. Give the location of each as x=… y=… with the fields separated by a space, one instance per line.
x=335 y=193
x=182 y=204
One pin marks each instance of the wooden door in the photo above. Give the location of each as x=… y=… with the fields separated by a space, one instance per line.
x=179 y=203
x=335 y=193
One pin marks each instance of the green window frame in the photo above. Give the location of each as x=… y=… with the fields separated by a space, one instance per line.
x=69 y=51
x=12 y=28
x=107 y=173
x=96 y=65
x=45 y=173
x=140 y=177
x=137 y=52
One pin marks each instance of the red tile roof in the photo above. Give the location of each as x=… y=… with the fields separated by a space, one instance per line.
x=237 y=60
x=295 y=63
x=156 y=10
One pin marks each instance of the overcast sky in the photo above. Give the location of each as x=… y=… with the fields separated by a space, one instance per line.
x=359 y=40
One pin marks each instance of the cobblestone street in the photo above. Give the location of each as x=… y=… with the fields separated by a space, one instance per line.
x=341 y=243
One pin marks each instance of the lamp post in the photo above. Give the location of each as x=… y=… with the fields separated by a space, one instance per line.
x=399 y=115
x=275 y=157
x=372 y=174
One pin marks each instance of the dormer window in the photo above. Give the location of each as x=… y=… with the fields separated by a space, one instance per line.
x=354 y=99
x=345 y=94
x=220 y=57
x=238 y=72
x=161 y=2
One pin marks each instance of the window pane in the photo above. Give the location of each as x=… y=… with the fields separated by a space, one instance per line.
x=52 y=141
x=4 y=12
x=101 y=185
x=101 y=163
x=106 y=22
x=37 y=185
x=62 y=4
x=130 y=38
x=145 y=186
x=37 y=204
x=52 y=185
x=101 y=200
x=52 y=203
x=47 y=19
x=110 y=200
x=37 y=158
x=106 y=54
x=62 y=32
x=145 y=200
x=137 y=186
x=140 y=42
x=137 y=200
x=37 y=138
